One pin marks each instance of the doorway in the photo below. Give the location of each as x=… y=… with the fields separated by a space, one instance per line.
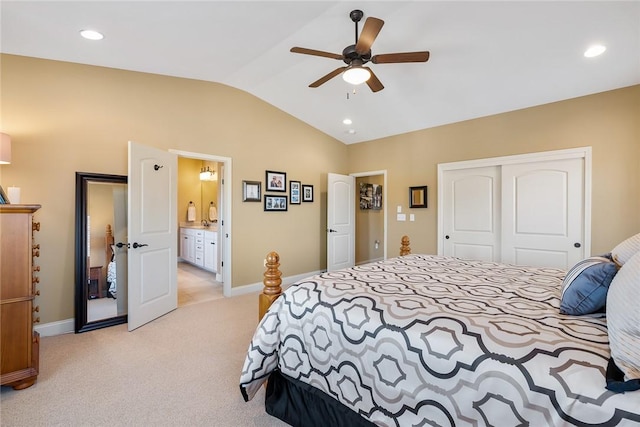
x=198 y=282
x=371 y=216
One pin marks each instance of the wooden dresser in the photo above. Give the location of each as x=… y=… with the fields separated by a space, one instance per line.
x=18 y=279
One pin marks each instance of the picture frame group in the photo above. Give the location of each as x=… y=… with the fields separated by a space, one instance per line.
x=276 y=182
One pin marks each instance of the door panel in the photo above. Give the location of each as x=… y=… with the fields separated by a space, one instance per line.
x=152 y=223
x=340 y=222
x=543 y=213
x=471 y=226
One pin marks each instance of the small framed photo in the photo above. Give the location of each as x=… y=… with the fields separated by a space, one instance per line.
x=294 y=192
x=307 y=193
x=276 y=181
x=275 y=203
x=251 y=191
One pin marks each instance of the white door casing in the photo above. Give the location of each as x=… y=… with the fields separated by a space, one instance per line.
x=541 y=207
x=340 y=221
x=152 y=219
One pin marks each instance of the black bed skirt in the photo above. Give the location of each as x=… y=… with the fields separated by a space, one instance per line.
x=301 y=405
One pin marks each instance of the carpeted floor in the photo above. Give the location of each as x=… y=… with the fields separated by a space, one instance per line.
x=182 y=369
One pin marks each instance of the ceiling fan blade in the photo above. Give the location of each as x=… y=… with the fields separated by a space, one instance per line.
x=372 y=27
x=374 y=84
x=328 y=77
x=391 y=58
x=315 y=52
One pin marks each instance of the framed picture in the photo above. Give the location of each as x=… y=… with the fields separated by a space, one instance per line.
x=275 y=203
x=418 y=197
x=4 y=200
x=251 y=191
x=370 y=196
x=276 y=181
x=307 y=193
x=294 y=192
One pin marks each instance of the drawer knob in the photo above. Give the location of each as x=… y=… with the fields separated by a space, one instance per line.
x=36 y=268
x=36 y=320
x=35 y=280
x=36 y=253
x=36 y=309
x=37 y=292
x=35 y=226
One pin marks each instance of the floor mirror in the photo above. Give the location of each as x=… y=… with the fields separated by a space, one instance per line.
x=100 y=251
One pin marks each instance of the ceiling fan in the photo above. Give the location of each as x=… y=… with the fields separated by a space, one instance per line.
x=358 y=54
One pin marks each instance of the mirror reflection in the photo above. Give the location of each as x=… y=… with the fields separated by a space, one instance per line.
x=101 y=251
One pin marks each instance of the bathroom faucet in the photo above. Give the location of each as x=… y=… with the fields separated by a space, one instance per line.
x=205 y=222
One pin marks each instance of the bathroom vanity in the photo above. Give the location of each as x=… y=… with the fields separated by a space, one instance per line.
x=198 y=246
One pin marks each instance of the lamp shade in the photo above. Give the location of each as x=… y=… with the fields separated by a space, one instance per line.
x=5 y=149
x=356 y=75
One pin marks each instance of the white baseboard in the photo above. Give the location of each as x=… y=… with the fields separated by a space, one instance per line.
x=68 y=326
x=257 y=287
x=56 y=328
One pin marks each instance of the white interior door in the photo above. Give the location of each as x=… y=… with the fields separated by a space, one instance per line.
x=341 y=222
x=542 y=214
x=152 y=219
x=471 y=226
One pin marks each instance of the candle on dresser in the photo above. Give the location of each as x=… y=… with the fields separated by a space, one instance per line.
x=13 y=193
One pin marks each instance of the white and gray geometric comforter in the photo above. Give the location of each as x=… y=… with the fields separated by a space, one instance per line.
x=427 y=340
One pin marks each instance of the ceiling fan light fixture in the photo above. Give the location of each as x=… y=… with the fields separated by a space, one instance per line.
x=356 y=75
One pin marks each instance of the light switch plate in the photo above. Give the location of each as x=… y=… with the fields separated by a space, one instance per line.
x=402 y=217
x=412 y=217
x=399 y=209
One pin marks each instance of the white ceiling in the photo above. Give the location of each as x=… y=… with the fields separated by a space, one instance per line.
x=486 y=57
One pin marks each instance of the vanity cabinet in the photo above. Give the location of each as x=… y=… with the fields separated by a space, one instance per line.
x=199 y=247
x=18 y=280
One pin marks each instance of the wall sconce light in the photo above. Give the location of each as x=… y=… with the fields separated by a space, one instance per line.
x=207 y=174
x=5 y=149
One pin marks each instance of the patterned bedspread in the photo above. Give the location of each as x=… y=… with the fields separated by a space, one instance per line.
x=428 y=340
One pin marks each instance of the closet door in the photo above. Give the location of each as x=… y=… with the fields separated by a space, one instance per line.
x=542 y=213
x=471 y=211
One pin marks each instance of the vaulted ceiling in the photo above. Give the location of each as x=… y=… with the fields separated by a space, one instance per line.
x=486 y=57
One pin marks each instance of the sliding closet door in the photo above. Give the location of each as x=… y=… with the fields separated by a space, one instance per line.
x=531 y=209
x=472 y=213
x=542 y=213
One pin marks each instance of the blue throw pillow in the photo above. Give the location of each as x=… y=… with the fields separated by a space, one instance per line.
x=584 y=288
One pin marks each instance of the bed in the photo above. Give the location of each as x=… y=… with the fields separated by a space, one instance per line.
x=422 y=340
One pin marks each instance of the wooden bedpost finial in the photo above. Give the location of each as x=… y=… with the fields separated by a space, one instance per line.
x=405 y=249
x=272 y=282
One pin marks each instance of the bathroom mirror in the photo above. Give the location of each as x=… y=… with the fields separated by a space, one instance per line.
x=100 y=251
x=418 y=197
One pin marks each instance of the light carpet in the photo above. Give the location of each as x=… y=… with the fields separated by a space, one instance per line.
x=181 y=369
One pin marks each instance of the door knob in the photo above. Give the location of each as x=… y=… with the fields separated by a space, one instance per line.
x=446 y=237
x=331 y=230
x=137 y=245
x=122 y=245
x=576 y=245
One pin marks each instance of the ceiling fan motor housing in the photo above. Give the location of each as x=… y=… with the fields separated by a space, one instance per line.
x=349 y=54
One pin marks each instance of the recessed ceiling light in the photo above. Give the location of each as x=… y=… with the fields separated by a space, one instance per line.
x=595 y=50
x=351 y=131
x=91 y=35
x=347 y=121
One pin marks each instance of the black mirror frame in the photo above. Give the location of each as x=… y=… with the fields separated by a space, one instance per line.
x=81 y=289
x=412 y=203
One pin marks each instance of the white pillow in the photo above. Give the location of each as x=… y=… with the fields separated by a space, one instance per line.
x=626 y=249
x=623 y=318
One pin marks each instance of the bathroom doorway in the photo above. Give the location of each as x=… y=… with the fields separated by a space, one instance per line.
x=204 y=224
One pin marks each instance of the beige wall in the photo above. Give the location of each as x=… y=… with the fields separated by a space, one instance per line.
x=65 y=117
x=608 y=122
